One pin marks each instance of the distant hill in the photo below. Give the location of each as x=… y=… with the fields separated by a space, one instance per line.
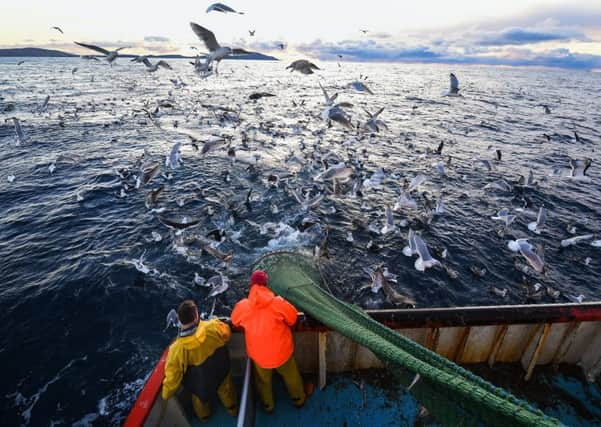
x=34 y=52
x=47 y=53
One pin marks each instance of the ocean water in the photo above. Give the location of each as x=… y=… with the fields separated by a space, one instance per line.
x=82 y=325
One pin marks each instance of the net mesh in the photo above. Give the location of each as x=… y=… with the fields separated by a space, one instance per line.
x=452 y=394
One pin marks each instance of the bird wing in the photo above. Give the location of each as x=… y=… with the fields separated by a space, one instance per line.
x=164 y=65
x=146 y=62
x=206 y=36
x=379 y=112
x=422 y=249
x=325 y=94
x=92 y=47
x=542 y=216
x=238 y=51
x=220 y=7
x=454 y=83
x=57 y=29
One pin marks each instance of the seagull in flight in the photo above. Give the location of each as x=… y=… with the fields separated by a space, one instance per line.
x=57 y=29
x=151 y=68
x=217 y=52
x=454 y=88
x=302 y=66
x=364 y=31
x=220 y=7
x=109 y=56
x=251 y=33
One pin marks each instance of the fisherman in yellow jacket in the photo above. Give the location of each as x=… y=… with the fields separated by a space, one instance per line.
x=199 y=359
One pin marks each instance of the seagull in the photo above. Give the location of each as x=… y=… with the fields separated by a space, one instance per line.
x=579 y=168
x=541 y=218
x=359 y=86
x=251 y=33
x=329 y=99
x=454 y=88
x=57 y=29
x=574 y=240
x=424 y=259
x=389 y=225
x=109 y=56
x=151 y=68
x=174 y=158
x=307 y=203
x=220 y=7
x=335 y=113
x=503 y=215
x=405 y=202
x=374 y=124
x=302 y=66
x=411 y=248
x=21 y=138
x=217 y=51
x=364 y=31
x=527 y=250
x=415 y=182
x=338 y=171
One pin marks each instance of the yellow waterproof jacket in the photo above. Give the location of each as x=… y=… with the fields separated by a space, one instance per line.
x=192 y=350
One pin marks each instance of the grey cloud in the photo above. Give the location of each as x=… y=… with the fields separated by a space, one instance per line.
x=521 y=36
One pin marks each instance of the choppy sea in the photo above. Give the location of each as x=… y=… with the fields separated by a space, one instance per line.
x=85 y=282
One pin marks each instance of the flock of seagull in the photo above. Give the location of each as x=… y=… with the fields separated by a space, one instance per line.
x=331 y=176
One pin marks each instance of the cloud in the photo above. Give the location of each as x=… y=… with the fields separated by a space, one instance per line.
x=365 y=51
x=521 y=36
x=156 y=39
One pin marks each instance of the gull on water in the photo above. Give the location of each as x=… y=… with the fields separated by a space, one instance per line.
x=579 y=168
x=220 y=7
x=217 y=52
x=574 y=240
x=541 y=218
x=411 y=248
x=405 y=202
x=527 y=251
x=359 y=86
x=389 y=225
x=110 y=56
x=173 y=159
x=503 y=215
x=424 y=260
x=336 y=114
x=374 y=124
x=21 y=138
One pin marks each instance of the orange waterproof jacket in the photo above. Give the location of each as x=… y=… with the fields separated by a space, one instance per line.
x=266 y=320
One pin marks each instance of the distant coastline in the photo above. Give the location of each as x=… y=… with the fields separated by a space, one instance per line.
x=34 y=52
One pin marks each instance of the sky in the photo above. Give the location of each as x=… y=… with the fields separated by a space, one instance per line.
x=554 y=33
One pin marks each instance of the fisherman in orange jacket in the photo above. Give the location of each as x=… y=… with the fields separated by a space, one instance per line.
x=266 y=320
x=199 y=359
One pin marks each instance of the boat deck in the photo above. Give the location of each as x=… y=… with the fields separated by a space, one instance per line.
x=366 y=399
x=370 y=398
